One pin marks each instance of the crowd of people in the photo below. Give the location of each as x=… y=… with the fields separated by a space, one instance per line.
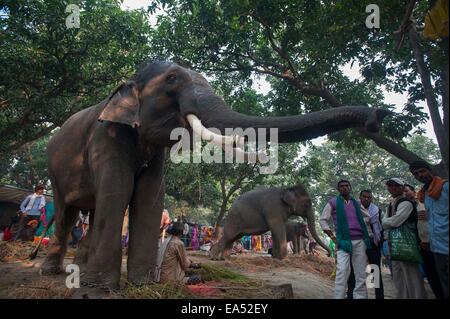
x=194 y=235
x=413 y=233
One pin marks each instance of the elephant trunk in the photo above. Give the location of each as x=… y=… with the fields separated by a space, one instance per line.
x=312 y=230
x=214 y=112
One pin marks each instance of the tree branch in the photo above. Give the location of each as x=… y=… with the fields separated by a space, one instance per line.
x=399 y=35
x=4 y=103
x=390 y=146
x=19 y=145
x=282 y=54
x=17 y=124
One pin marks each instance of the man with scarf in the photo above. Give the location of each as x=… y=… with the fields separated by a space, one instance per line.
x=434 y=195
x=429 y=267
x=352 y=240
x=372 y=217
x=31 y=209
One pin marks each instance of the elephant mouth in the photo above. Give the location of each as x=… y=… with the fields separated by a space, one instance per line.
x=234 y=144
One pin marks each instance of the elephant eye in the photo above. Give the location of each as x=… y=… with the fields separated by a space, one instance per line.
x=171 y=78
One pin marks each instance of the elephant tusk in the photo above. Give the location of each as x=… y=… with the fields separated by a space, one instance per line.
x=212 y=137
x=237 y=142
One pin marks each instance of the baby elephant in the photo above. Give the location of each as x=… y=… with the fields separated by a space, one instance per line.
x=264 y=209
x=297 y=233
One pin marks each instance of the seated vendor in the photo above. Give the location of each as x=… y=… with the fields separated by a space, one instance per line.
x=172 y=262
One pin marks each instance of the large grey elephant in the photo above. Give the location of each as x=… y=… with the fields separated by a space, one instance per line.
x=297 y=233
x=112 y=155
x=264 y=209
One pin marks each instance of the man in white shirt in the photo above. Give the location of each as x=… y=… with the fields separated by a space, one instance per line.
x=31 y=209
x=407 y=277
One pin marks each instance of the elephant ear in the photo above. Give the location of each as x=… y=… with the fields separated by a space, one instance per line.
x=123 y=105
x=290 y=199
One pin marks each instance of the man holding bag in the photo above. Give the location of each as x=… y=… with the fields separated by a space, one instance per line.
x=434 y=195
x=401 y=223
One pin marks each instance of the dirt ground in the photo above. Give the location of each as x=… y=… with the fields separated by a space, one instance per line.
x=309 y=276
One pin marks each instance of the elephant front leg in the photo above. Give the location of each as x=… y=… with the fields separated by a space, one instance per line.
x=144 y=221
x=295 y=244
x=279 y=249
x=105 y=249
x=231 y=232
x=305 y=245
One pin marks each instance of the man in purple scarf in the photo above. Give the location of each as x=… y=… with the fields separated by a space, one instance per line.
x=373 y=220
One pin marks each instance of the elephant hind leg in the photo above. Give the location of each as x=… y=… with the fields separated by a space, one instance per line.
x=81 y=257
x=229 y=240
x=216 y=252
x=225 y=243
x=279 y=246
x=64 y=219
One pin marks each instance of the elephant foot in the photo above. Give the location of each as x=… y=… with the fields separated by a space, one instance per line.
x=216 y=258
x=216 y=253
x=279 y=256
x=51 y=266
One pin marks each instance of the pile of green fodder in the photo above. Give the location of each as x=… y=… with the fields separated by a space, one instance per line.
x=215 y=273
x=233 y=285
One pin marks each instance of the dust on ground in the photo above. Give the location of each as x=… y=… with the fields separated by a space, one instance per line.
x=252 y=276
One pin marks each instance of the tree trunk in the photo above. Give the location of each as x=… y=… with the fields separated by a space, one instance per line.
x=445 y=93
x=223 y=210
x=283 y=291
x=430 y=97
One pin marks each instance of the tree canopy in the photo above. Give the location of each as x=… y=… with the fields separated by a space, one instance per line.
x=301 y=48
x=49 y=71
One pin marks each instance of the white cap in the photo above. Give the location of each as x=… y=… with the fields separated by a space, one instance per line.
x=397 y=181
